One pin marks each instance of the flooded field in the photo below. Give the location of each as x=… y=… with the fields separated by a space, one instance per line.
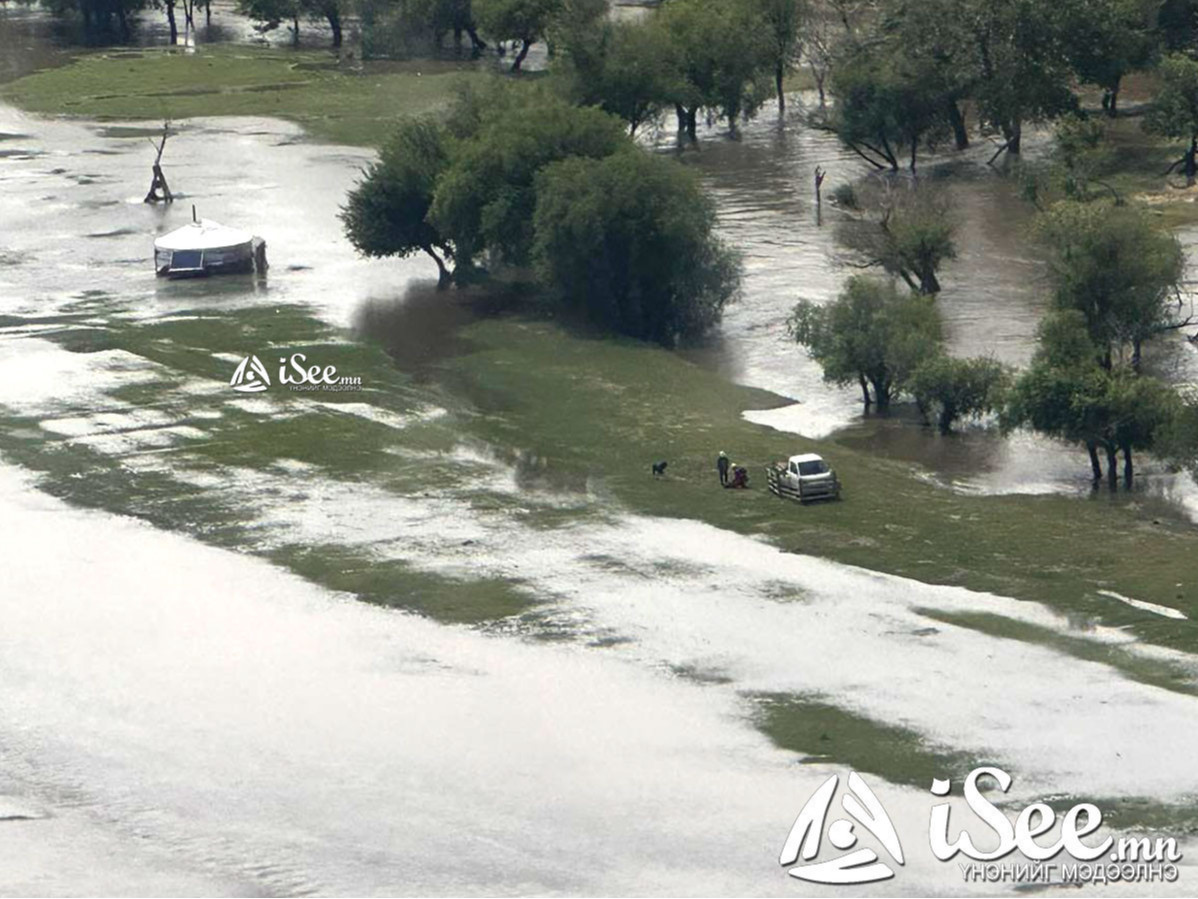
x=297 y=642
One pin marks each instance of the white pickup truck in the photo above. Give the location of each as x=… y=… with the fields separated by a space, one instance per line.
x=805 y=477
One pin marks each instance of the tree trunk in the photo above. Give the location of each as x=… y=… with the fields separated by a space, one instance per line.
x=960 y=131
x=914 y=148
x=1112 y=471
x=1111 y=100
x=779 y=77
x=692 y=127
x=1191 y=164
x=865 y=392
x=334 y=18
x=928 y=283
x=1095 y=465
x=295 y=29
x=477 y=42
x=444 y=278
x=1014 y=135
x=882 y=395
x=208 y=12
x=170 y=20
x=525 y=46
x=947 y=414
x=1128 y=468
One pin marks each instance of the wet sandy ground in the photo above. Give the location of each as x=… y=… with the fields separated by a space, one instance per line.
x=230 y=727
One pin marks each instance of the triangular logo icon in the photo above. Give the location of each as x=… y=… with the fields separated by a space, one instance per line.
x=859 y=865
x=250 y=376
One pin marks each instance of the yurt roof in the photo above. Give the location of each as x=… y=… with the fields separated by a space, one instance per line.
x=202 y=235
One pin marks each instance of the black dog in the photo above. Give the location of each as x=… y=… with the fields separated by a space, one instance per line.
x=659 y=469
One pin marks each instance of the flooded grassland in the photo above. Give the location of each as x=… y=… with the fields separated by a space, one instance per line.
x=565 y=675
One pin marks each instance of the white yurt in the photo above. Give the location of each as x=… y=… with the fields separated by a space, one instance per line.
x=204 y=247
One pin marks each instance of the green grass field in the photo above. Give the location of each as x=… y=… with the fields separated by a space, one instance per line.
x=305 y=86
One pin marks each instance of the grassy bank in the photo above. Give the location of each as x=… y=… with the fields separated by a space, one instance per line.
x=611 y=407
x=308 y=87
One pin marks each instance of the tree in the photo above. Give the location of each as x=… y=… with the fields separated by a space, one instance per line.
x=522 y=21
x=625 y=68
x=271 y=13
x=630 y=240
x=485 y=197
x=1108 y=39
x=884 y=111
x=951 y=389
x=872 y=334
x=930 y=42
x=721 y=55
x=1123 y=274
x=1066 y=393
x=907 y=231
x=101 y=19
x=386 y=213
x=1174 y=111
x=1020 y=60
x=445 y=16
x=782 y=20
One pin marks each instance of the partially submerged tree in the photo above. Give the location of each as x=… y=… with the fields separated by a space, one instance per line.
x=722 y=59
x=1068 y=394
x=907 y=230
x=630 y=241
x=1174 y=112
x=949 y=389
x=873 y=334
x=522 y=21
x=1020 y=61
x=625 y=68
x=884 y=110
x=783 y=20
x=1120 y=271
x=1109 y=39
x=386 y=213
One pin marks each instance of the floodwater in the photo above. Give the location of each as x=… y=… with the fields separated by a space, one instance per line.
x=994 y=295
x=196 y=701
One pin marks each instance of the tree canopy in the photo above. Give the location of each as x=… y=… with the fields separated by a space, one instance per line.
x=628 y=239
x=873 y=334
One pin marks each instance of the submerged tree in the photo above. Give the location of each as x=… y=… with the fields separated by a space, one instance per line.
x=949 y=389
x=873 y=334
x=1109 y=39
x=1174 y=111
x=1069 y=394
x=783 y=20
x=722 y=58
x=522 y=21
x=630 y=241
x=1120 y=271
x=907 y=230
x=1020 y=63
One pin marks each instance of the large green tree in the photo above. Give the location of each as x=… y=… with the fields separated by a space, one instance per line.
x=783 y=21
x=1117 y=268
x=386 y=213
x=874 y=334
x=485 y=197
x=1108 y=39
x=722 y=58
x=630 y=240
x=949 y=389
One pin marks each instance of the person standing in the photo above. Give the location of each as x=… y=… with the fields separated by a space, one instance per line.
x=721 y=465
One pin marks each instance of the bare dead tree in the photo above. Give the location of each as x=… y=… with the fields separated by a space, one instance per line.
x=159 y=180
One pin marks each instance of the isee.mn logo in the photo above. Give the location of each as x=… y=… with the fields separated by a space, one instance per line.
x=856 y=865
x=250 y=376
x=1050 y=847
